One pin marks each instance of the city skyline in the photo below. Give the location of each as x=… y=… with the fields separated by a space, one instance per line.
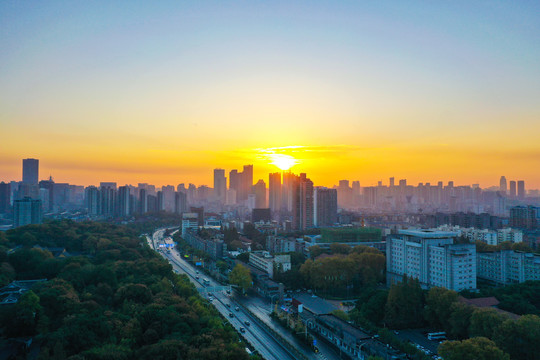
x=163 y=93
x=389 y=181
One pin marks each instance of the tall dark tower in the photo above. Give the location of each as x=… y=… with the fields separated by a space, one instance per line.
x=30 y=171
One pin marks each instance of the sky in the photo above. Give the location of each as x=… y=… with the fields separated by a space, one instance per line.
x=163 y=92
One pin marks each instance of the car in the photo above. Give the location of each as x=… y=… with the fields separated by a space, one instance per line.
x=211 y=298
x=231 y=315
x=247 y=323
x=197 y=277
x=196 y=271
x=228 y=305
x=237 y=308
x=242 y=329
x=228 y=291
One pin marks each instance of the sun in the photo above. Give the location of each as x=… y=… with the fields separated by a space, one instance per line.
x=282 y=161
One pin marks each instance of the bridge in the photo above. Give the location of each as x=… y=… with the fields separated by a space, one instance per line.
x=213 y=289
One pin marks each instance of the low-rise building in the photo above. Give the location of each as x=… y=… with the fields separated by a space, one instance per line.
x=263 y=261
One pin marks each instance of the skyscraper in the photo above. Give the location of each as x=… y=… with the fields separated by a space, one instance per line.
x=302 y=202
x=325 y=205
x=274 y=192
x=502 y=185
x=521 y=189
x=512 y=189
x=30 y=171
x=220 y=185
x=392 y=183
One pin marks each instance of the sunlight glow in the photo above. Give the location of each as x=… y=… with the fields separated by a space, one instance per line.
x=282 y=161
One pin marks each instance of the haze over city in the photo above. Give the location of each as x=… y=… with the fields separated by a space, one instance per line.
x=163 y=93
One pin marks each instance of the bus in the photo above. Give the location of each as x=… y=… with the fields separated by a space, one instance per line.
x=206 y=282
x=436 y=336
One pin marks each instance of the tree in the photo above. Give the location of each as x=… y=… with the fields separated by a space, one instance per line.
x=222 y=266
x=337 y=248
x=519 y=337
x=459 y=320
x=484 y=322
x=405 y=303
x=439 y=303
x=315 y=251
x=478 y=348
x=244 y=257
x=241 y=276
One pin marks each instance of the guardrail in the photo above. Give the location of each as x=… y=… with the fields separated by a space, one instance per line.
x=292 y=349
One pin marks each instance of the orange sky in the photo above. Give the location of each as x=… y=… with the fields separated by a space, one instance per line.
x=353 y=90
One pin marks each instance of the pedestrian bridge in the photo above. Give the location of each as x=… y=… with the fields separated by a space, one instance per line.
x=213 y=289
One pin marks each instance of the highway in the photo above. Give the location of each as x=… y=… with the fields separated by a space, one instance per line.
x=264 y=342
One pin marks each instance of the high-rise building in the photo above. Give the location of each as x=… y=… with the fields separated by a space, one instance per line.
x=5 y=198
x=344 y=193
x=513 y=192
x=432 y=258
x=286 y=191
x=26 y=211
x=502 y=185
x=107 y=192
x=325 y=205
x=241 y=182
x=160 y=201
x=302 y=202
x=49 y=185
x=220 y=185
x=259 y=189
x=200 y=212
x=392 y=183
x=30 y=171
x=521 y=189
x=168 y=197
x=527 y=217
x=356 y=188
x=124 y=208
x=91 y=199
x=274 y=191
x=143 y=200
x=180 y=202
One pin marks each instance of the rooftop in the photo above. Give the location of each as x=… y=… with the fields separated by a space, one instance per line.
x=429 y=234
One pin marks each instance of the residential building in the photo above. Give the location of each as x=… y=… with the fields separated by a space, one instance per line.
x=431 y=257
x=5 y=198
x=220 y=185
x=302 y=203
x=274 y=192
x=325 y=205
x=507 y=266
x=263 y=261
x=26 y=211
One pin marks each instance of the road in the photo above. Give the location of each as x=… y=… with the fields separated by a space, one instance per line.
x=269 y=347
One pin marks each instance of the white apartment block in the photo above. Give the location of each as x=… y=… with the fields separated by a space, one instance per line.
x=490 y=237
x=432 y=257
x=263 y=261
x=508 y=266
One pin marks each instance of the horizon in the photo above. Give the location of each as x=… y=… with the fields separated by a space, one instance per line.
x=209 y=183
